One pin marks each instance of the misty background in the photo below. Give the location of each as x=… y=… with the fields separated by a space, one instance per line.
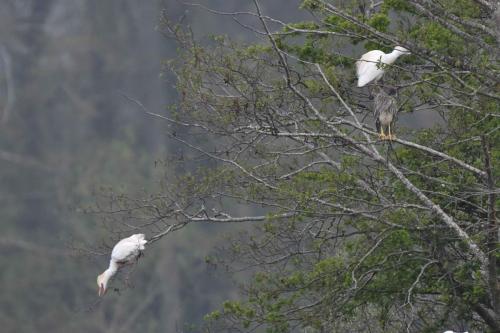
x=65 y=133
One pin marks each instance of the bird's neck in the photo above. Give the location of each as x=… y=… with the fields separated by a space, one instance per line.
x=113 y=267
x=389 y=58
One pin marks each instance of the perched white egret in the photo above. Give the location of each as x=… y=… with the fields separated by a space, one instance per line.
x=385 y=108
x=370 y=66
x=125 y=252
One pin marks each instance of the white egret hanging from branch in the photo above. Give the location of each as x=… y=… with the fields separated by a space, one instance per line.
x=126 y=251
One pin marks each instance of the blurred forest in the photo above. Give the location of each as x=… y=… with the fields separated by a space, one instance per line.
x=66 y=132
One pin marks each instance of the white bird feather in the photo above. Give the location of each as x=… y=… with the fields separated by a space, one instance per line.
x=370 y=66
x=126 y=251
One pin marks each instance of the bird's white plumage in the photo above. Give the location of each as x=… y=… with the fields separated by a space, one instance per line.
x=124 y=252
x=369 y=68
x=128 y=248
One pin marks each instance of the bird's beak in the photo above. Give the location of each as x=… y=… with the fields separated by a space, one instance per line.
x=101 y=290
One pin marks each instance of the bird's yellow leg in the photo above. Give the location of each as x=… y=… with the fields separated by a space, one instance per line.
x=381 y=135
x=391 y=136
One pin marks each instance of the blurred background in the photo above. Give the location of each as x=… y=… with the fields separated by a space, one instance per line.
x=65 y=132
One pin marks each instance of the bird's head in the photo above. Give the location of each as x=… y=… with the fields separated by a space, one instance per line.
x=102 y=284
x=401 y=50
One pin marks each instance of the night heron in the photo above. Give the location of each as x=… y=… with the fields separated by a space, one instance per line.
x=385 y=108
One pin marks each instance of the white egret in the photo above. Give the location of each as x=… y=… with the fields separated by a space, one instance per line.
x=385 y=109
x=126 y=251
x=370 y=67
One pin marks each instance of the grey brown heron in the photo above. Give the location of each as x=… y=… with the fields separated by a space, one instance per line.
x=385 y=108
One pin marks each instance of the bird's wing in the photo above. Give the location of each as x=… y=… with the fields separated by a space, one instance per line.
x=140 y=239
x=379 y=103
x=367 y=62
x=394 y=109
x=128 y=248
x=135 y=237
x=123 y=250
